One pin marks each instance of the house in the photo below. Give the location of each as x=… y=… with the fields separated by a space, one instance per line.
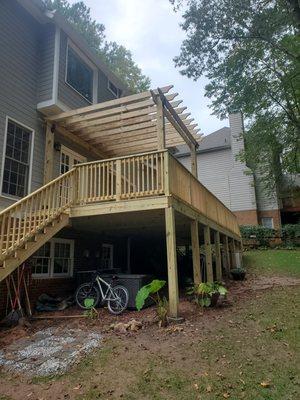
x=88 y=179
x=229 y=178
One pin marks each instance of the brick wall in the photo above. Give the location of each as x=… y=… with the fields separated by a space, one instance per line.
x=275 y=214
x=247 y=217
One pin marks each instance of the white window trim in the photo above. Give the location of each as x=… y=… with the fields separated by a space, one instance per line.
x=272 y=220
x=5 y=195
x=108 y=82
x=51 y=266
x=70 y=152
x=91 y=65
x=111 y=247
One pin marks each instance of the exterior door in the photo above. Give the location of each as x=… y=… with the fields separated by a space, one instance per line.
x=69 y=158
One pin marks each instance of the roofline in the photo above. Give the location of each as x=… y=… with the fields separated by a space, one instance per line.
x=209 y=150
x=38 y=10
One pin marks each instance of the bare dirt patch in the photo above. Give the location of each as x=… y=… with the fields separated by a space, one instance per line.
x=212 y=353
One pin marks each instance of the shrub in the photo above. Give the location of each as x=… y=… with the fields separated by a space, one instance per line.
x=258 y=232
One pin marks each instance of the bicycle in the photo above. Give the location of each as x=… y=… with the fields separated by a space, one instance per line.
x=116 y=296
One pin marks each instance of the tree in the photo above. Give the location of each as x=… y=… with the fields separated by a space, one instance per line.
x=117 y=57
x=250 y=52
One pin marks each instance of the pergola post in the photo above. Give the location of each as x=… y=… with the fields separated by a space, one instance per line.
x=172 y=262
x=194 y=166
x=195 y=252
x=208 y=256
x=49 y=154
x=160 y=124
x=218 y=256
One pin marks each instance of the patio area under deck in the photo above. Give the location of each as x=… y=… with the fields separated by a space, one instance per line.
x=134 y=172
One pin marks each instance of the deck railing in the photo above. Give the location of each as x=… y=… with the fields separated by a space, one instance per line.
x=121 y=178
x=25 y=217
x=138 y=176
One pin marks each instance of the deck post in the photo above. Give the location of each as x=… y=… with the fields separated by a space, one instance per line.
x=172 y=262
x=218 y=256
x=208 y=256
x=194 y=167
x=227 y=255
x=195 y=252
x=49 y=154
x=232 y=251
x=160 y=125
x=118 y=179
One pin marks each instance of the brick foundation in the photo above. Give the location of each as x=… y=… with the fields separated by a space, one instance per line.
x=54 y=287
x=247 y=217
x=275 y=214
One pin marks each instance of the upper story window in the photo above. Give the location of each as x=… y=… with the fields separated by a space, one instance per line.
x=113 y=89
x=79 y=75
x=17 y=160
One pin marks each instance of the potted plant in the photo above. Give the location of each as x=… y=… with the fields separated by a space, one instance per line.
x=238 y=274
x=152 y=291
x=207 y=294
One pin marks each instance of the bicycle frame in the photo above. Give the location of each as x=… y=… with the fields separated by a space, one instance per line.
x=109 y=294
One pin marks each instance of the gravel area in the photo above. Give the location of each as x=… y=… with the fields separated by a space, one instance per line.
x=50 y=351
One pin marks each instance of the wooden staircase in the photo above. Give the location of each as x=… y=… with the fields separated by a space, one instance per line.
x=29 y=223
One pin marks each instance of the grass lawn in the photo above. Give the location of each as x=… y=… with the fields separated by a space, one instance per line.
x=280 y=262
x=249 y=350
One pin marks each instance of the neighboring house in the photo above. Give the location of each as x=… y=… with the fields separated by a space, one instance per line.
x=221 y=171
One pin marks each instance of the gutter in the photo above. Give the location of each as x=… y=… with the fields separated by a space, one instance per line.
x=203 y=151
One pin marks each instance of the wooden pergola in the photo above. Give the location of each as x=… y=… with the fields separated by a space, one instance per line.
x=148 y=121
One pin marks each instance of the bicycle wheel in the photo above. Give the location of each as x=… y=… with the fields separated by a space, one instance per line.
x=119 y=304
x=87 y=291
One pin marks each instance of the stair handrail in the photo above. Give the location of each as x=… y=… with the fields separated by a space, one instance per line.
x=36 y=214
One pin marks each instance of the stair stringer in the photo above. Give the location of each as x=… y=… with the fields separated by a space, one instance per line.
x=31 y=246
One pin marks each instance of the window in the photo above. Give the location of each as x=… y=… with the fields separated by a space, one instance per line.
x=79 y=75
x=267 y=222
x=17 y=160
x=107 y=256
x=54 y=259
x=114 y=90
x=68 y=159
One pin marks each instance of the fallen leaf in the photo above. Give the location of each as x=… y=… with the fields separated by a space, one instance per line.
x=208 y=389
x=265 y=384
x=78 y=387
x=196 y=386
x=226 y=395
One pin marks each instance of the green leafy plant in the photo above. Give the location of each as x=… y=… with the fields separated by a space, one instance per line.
x=91 y=311
x=207 y=294
x=152 y=291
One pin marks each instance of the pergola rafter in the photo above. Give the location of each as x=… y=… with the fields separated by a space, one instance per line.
x=141 y=122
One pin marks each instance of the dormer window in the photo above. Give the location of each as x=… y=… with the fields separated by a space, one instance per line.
x=114 y=90
x=79 y=75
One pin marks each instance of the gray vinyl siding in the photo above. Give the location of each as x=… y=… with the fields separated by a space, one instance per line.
x=47 y=45
x=67 y=94
x=265 y=200
x=19 y=76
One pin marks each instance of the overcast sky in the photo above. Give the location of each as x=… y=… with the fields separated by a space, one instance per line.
x=150 y=29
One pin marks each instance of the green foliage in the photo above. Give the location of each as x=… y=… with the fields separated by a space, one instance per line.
x=144 y=293
x=250 y=52
x=204 y=292
x=162 y=311
x=118 y=58
x=289 y=233
x=91 y=312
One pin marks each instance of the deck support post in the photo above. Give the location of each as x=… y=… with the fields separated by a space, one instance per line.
x=49 y=154
x=172 y=262
x=194 y=167
x=208 y=256
x=232 y=251
x=160 y=125
x=218 y=256
x=227 y=255
x=195 y=252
